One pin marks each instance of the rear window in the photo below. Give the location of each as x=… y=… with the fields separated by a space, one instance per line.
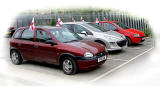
x=16 y=35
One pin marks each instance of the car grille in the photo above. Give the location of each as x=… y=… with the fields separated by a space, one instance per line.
x=122 y=43
x=101 y=54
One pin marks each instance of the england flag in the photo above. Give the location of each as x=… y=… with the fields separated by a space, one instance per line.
x=31 y=27
x=59 y=23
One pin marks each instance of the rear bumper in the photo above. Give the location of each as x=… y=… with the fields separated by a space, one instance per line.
x=90 y=63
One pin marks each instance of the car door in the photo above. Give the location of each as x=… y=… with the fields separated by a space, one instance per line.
x=78 y=29
x=26 y=44
x=44 y=52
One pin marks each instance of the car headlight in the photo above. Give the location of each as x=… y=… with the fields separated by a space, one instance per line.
x=88 y=54
x=106 y=50
x=9 y=32
x=113 y=44
x=136 y=35
x=123 y=37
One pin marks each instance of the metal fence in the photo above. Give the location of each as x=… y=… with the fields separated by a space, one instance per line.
x=46 y=19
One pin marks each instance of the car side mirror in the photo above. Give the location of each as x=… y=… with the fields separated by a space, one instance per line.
x=84 y=32
x=50 y=42
x=116 y=30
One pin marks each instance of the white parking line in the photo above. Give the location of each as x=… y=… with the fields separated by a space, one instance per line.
x=112 y=70
x=117 y=59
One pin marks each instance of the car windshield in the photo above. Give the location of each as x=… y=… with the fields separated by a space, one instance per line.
x=97 y=26
x=65 y=35
x=121 y=26
x=91 y=26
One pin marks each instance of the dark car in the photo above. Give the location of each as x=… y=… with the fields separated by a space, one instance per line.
x=56 y=45
x=11 y=31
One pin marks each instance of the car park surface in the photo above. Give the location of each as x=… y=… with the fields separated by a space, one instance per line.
x=33 y=73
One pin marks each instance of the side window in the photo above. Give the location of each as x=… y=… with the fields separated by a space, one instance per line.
x=69 y=26
x=109 y=26
x=42 y=36
x=27 y=35
x=16 y=35
x=79 y=29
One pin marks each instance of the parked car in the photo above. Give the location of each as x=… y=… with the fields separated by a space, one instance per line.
x=56 y=45
x=112 y=40
x=11 y=30
x=132 y=35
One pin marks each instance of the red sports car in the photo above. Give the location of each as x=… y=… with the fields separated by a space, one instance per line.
x=132 y=35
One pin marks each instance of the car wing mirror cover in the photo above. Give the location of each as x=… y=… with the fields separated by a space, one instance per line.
x=84 y=32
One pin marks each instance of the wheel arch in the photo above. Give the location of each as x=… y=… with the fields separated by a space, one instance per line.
x=16 y=49
x=63 y=55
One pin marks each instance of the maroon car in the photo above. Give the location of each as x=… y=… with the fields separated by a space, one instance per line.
x=56 y=45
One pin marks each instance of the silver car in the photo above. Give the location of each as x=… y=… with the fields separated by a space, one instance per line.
x=111 y=39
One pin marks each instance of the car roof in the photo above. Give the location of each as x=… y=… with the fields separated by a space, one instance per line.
x=43 y=27
x=107 y=21
x=49 y=27
x=75 y=22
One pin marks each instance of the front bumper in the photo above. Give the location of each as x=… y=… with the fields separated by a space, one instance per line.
x=138 y=39
x=119 y=45
x=92 y=62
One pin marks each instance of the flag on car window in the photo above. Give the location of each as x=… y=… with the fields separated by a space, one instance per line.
x=59 y=23
x=105 y=19
x=97 y=20
x=31 y=27
x=73 y=20
x=82 y=20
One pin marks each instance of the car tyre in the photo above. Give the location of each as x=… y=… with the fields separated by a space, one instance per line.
x=129 y=41
x=69 y=66
x=16 y=57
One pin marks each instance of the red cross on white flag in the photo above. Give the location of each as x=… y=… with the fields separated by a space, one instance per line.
x=105 y=19
x=97 y=20
x=82 y=20
x=59 y=23
x=31 y=27
x=73 y=20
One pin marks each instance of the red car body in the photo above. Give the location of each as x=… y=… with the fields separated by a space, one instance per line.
x=128 y=32
x=52 y=54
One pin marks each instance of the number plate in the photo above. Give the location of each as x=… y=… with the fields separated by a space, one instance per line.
x=102 y=58
x=143 y=38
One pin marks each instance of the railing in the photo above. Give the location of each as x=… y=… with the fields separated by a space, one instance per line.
x=46 y=19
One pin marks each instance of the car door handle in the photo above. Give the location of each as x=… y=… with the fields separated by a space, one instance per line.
x=36 y=46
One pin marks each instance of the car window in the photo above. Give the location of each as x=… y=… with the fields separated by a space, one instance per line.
x=79 y=29
x=65 y=35
x=68 y=26
x=121 y=26
x=96 y=27
x=91 y=27
x=108 y=26
x=27 y=35
x=17 y=34
x=42 y=36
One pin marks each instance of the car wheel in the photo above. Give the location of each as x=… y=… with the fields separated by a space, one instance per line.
x=16 y=57
x=69 y=66
x=129 y=41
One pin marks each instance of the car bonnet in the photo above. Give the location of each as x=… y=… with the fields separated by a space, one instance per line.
x=89 y=46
